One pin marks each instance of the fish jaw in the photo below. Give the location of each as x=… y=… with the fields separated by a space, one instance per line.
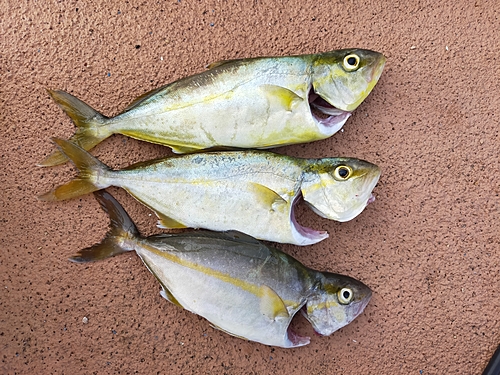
x=304 y=236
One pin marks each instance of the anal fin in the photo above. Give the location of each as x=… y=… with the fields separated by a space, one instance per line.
x=165 y=293
x=184 y=149
x=166 y=222
x=229 y=333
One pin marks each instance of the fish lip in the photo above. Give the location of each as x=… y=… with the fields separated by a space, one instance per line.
x=308 y=236
x=337 y=117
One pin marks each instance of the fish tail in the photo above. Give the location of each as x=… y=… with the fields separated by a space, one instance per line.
x=120 y=238
x=90 y=130
x=90 y=178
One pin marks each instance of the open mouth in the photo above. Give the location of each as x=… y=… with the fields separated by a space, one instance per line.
x=296 y=339
x=329 y=118
x=303 y=235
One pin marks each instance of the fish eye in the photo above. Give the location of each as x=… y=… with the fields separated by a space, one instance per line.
x=351 y=62
x=345 y=295
x=342 y=173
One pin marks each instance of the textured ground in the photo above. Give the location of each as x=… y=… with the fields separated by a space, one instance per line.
x=428 y=246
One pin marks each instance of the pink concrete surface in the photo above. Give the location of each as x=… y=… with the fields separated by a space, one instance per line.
x=428 y=246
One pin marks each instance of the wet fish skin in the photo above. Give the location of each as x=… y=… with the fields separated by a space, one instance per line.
x=253 y=192
x=241 y=286
x=248 y=103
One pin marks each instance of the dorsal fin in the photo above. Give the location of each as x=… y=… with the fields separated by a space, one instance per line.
x=142 y=98
x=221 y=62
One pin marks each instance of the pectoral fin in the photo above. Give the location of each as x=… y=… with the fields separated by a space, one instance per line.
x=267 y=196
x=271 y=305
x=166 y=222
x=281 y=96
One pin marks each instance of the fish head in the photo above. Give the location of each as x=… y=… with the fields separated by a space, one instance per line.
x=342 y=79
x=336 y=302
x=339 y=188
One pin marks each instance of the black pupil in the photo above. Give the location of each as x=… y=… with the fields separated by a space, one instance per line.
x=346 y=294
x=343 y=172
x=351 y=61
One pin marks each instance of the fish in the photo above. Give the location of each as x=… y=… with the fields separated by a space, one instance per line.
x=253 y=192
x=240 y=285
x=258 y=102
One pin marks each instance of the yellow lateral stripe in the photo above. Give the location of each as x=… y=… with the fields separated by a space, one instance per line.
x=207 y=271
x=251 y=288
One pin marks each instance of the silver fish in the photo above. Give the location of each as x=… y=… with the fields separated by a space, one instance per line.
x=253 y=192
x=249 y=103
x=241 y=286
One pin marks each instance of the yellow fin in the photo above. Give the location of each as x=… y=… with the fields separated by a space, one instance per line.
x=88 y=168
x=271 y=305
x=166 y=222
x=91 y=125
x=229 y=333
x=142 y=98
x=219 y=63
x=268 y=196
x=165 y=293
x=282 y=96
x=183 y=149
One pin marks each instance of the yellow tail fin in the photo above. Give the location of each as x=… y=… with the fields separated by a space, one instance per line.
x=120 y=238
x=89 y=169
x=90 y=123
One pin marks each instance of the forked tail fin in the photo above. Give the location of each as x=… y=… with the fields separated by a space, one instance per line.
x=120 y=238
x=90 y=125
x=87 y=181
